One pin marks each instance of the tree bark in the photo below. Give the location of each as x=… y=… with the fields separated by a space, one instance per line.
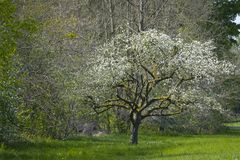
x=141 y=16
x=112 y=22
x=134 y=132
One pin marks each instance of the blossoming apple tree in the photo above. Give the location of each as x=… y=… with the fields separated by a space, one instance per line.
x=152 y=74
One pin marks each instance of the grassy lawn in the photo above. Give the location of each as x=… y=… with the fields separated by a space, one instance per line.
x=116 y=147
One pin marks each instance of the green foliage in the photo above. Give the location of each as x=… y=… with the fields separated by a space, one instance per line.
x=230 y=86
x=12 y=30
x=192 y=122
x=8 y=96
x=48 y=86
x=226 y=12
x=8 y=30
x=71 y=35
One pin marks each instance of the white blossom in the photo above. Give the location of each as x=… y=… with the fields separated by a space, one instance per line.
x=123 y=55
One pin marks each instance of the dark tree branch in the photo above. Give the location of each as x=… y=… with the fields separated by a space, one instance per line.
x=185 y=79
x=126 y=101
x=102 y=111
x=131 y=3
x=148 y=71
x=161 y=100
x=164 y=115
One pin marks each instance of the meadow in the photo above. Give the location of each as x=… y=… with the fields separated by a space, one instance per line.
x=116 y=147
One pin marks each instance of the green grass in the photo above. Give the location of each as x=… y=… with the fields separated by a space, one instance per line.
x=116 y=147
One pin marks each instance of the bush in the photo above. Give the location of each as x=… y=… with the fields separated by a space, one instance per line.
x=191 y=122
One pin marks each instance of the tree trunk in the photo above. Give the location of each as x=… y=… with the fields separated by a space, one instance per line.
x=141 y=16
x=135 y=126
x=134 y=134
x=112 y=22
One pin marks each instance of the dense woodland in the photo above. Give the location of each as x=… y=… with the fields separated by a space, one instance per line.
x=70 y=67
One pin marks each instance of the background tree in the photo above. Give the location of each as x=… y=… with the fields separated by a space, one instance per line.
x=225 y=14
x=230 y=86
x=12 y=30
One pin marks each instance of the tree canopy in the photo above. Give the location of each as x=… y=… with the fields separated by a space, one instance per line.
x=152 y=74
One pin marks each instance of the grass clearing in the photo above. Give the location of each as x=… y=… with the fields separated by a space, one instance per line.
x=116 y=147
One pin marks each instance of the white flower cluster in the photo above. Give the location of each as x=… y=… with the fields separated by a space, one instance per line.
x=199 y=60
x=114 y=60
